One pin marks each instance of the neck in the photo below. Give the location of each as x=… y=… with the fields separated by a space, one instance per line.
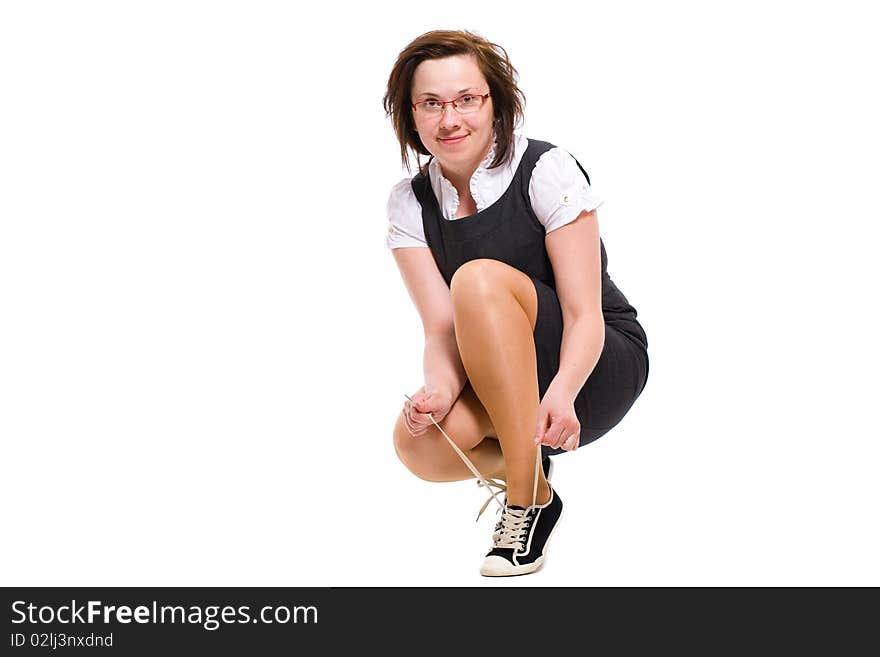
x=460 y=176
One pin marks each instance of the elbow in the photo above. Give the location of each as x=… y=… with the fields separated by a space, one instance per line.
x=587 y=317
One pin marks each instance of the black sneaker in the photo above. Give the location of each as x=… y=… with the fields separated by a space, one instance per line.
x=521 y=537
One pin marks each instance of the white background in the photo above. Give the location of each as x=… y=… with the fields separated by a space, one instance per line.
x=204 y=342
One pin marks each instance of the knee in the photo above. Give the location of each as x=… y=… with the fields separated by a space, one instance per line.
x=413 y=454
x=402 y=442
x=477 y=278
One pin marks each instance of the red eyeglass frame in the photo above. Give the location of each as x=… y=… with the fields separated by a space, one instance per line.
x=444 y=103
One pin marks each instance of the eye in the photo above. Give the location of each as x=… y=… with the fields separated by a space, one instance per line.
x=468 y=99
x=430 y=104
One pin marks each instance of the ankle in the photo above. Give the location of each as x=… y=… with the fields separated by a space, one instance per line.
x=543 y=493
x=524 y=499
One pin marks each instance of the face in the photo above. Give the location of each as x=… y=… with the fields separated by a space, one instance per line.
x=446 y=79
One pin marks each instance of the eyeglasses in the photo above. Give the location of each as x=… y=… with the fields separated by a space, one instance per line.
x=463 y=104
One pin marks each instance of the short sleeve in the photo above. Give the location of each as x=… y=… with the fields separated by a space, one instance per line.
x=559 y=191
x=404 y=218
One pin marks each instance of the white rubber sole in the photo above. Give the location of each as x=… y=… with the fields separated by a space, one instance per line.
x=495 y=566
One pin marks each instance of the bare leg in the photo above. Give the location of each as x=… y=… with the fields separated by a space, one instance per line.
x=495 y=308
x=430 y=457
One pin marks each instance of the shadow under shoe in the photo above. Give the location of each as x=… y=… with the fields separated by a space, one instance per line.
x=521 y=538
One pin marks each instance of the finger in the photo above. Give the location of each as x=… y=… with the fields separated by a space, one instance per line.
x=419 y=431
x=571 y=443
x=555 y=435
x=420 y=428
x=410 y=421
x=417 y=417
x=563 y=436
x=421 y=419
x=547 y=439
x=541 y=429
x=556 y=432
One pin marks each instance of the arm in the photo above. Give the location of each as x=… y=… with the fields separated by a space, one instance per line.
x=444 y=371
x=575 y=254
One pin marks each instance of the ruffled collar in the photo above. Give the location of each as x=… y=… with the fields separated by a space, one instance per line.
x=447 y=189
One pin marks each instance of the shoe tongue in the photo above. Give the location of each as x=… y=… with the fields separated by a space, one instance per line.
x=513 y=507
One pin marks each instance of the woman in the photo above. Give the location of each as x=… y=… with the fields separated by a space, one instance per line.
x=530 y=349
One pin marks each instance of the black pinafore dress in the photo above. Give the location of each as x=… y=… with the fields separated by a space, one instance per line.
x=509 y=231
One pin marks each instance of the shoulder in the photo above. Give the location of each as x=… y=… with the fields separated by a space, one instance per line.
x=559 y=189
x=544 y=159
x=402 y=201
x=557 y=168
x=401 y=189
x=404 y=215
x=528 y=148
x=554 y=160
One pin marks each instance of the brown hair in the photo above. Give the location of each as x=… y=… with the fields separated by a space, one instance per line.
x=507 y=99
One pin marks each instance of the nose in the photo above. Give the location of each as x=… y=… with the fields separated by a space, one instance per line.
x=449 y=117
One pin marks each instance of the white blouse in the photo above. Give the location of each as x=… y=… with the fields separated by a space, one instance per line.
x=558 y=191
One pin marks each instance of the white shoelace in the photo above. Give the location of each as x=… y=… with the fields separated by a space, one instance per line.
x=512 y=529
x=511 y=522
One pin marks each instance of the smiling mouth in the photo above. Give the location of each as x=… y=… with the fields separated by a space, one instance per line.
x=453 y=139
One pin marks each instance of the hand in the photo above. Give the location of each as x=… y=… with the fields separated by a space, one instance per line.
x=416 y=417
x=557 y=411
